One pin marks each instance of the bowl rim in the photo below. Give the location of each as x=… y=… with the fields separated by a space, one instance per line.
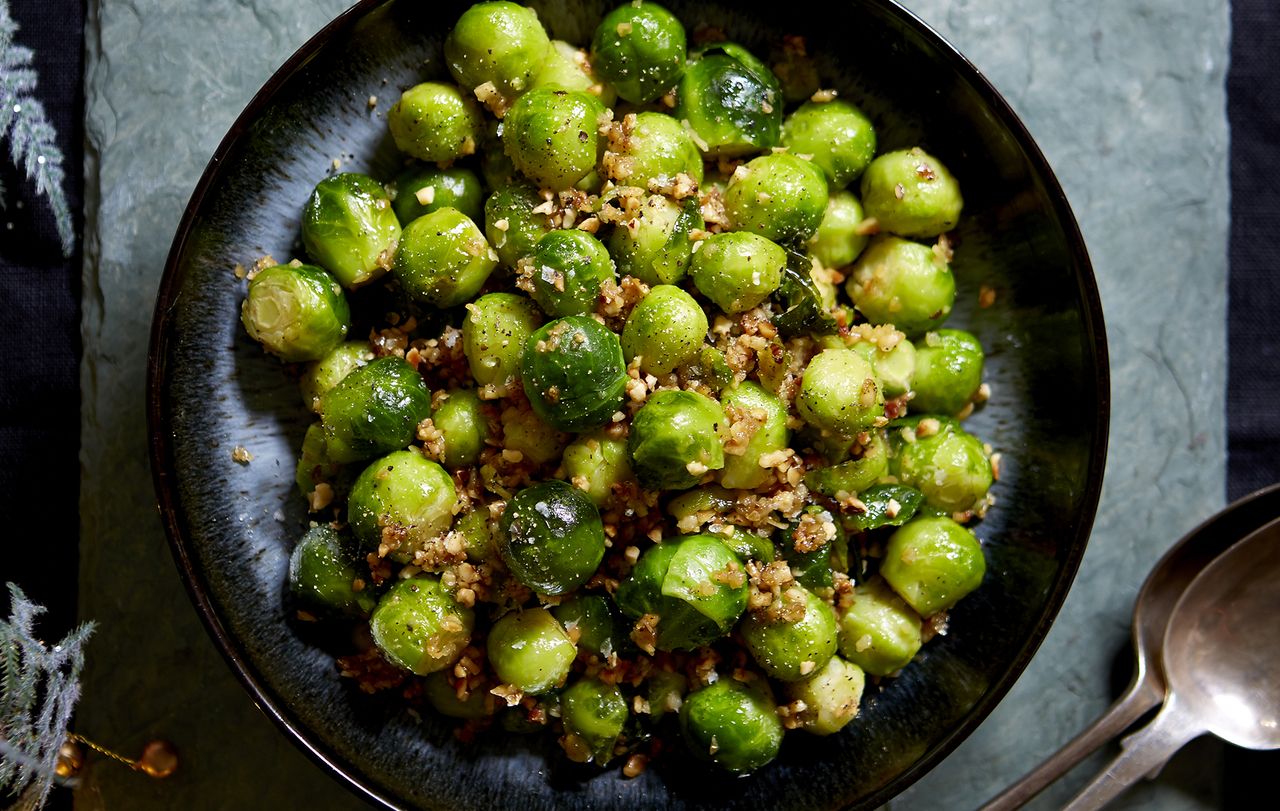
x=160 y=433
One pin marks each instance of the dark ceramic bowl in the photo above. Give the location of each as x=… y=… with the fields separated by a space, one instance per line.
x=232 y=526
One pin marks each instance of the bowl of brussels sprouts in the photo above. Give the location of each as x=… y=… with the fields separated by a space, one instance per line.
x=587 y=404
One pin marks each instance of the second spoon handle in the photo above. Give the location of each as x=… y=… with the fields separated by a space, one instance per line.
x=1140 y=697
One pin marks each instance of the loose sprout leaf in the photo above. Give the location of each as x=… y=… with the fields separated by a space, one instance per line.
x=881 y=512
x=803 y=313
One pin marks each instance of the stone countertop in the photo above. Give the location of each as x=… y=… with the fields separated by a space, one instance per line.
x=1126 y=98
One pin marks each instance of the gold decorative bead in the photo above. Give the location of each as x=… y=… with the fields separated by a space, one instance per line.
x=159 y=759
x=70 y=760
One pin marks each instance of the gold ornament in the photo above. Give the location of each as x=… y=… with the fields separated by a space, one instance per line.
x=70 y=760
x=159 y=759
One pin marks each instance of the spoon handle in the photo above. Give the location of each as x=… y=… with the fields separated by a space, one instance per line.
x=1141 y=696
x=1142 y=753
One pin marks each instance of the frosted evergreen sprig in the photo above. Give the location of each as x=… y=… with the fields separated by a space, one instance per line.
x=33 y=142
x=38 y=690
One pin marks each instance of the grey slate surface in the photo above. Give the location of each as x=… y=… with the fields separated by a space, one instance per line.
x=1125 y=97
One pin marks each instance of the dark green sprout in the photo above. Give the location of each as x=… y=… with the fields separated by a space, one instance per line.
x=324 y=571
x=551 y=538
x=639 y=48
x=350 y=229
x=374 y=410
x=573 y=373
x=733 y=724
x=732 y=101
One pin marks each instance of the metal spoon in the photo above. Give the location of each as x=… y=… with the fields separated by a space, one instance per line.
x=1221 y=653
x=1155 y=602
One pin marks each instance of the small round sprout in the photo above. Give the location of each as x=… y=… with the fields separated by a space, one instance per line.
x=463 y=426
x=839 y=394
x=350 y=229
x=743 y=470
x=588 y=616
x=500 y=45
x=314 y=466
x=732 y=101
x=733 y=724
x=789 y=651
x=444 y=259
x=594 y=714
x=551 y=537
x=435 y=122
x=837 y=135
x=297 y=312
x=476 y=532
x=831 y=696
x=493 y=335
x=895 y=369
x=568 y=268
x=568 y=68
x=323 y=571
x=639 y=48
x=839 y=238
x=594 y=463
x=879 y=632
x=675 y=439
x=573 y=373
x=777 y=196
x=666 y=692
x=737 y=270
x=665 y=330
x=852 y=475
x=910 y=193
x=403 y=501
x=948 y=372
x=552 y=136
x=902 y=283
x=422 y=190
x=511 y=224
x=419 y=626
x=527 y=434
x=950 y=467
x=444 y=698
x=650 y=150
x=654 y=246
x=374 y=410
x=530 y=651
x=696 y=587
x=327 y=372
x=932 y=563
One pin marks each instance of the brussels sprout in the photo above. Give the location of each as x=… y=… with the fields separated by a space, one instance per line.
x=595 y=462
x=418 y=625
x=733 y=724
x=525 y=432
x=902 y=283
x=887 y=505
x=948 y=372
x=748 y=545
x=814 y=546
x=323 y=573
x=802 y=301
x=350 y=229
x=444 y=699
x=780 y=197
x=476 y=532
x=435 y=122
x=675 y=439
x=422 y=190
x=654 y=246
x=695 y=585
x=511 y=225
x=932 y=563
x=839 y=393
x=297 y=312
x=639 y=49
x=464 y=427
x=831 y=696
x=895 y=369
x=590 y=616
x=910 y=193
x=737 y=270
x=314 y=465
x=709 y=499
x=327 y=372
x=568 y=269
x=710 y=369
x=573 y=373
x=789 y=651
x=743 y=470
x=553 y=137
x=665 y=330
x=950 y=467
x=652 y=151
x=493 y=335
x=551 y=537
x=837 y=135
x=443 y=258
x=499 y=43
x=731 y=101
x=530 y=650
x=594 y=714
x=568 y=68
x=839 y=238
x=666 y=692
x=879 y=632
x=375 y=409
x=403 y=500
